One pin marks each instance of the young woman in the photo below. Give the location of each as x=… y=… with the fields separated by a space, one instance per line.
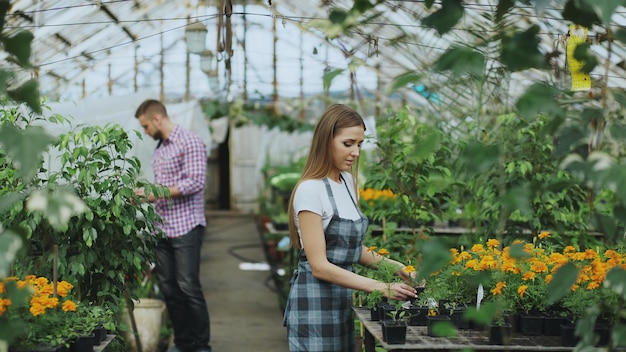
x=327 y=226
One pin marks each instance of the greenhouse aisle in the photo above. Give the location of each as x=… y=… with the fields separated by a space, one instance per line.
x=244 y=311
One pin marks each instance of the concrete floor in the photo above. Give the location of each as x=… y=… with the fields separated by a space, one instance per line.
x=244 y=310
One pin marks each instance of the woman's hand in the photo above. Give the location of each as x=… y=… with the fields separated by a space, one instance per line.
x=398 y=291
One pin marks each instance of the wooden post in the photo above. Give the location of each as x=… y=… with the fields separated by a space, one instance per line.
x=55 y=270
x=133 y=323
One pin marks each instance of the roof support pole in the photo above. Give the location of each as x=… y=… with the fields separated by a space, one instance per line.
x=161 y=71
x=245 y=55
x=187 y=75
x=274 y=69
x=109 y=80
x=301 y=116
x=136 y=73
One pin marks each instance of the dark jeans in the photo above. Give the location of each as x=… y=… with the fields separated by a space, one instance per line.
x=178 y=270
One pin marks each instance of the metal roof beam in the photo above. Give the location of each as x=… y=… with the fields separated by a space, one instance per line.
x=114 y=18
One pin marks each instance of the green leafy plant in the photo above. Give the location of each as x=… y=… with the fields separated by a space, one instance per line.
x=95 y=161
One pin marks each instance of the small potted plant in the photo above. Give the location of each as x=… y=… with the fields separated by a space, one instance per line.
x=395 y=326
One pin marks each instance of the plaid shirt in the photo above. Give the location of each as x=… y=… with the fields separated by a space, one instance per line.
x=181 y=160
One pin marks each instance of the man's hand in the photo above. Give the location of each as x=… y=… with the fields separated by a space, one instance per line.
x=140 y=192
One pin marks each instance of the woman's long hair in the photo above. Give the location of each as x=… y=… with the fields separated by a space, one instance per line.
x=319 y=162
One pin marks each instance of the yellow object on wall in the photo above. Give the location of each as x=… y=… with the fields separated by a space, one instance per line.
x=580 y=80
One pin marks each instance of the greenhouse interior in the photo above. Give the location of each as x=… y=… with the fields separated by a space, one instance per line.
x=486 y=153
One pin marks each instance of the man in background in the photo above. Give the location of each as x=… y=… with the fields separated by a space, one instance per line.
x=179 y=163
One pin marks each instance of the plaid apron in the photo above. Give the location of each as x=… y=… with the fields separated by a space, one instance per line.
x=318 y=314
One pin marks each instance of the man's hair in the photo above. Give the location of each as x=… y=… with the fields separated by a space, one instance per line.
x=151 y=107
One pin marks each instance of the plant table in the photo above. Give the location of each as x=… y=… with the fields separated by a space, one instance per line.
x=417 y=339
x=104 y=343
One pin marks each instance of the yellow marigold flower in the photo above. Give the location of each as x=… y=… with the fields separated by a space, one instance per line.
x=529 y=275
x=30 y=277
x=69 y=306
x=492 y=243
x=472 y=264
x=574 y=287
x=371 y=248
x=37 y=309
x=498 y=289
x=539 y=267
x=63 y=288
x=465 y=255
x=409 y=269
x=544 y=234
x=509 y=266
x=590 y=254
x=569 y=249
x=4 y=304
x=478 y=248
x=46 y=290
x=593 y=285
x=3 y=289
x=548 y=278
x=22 y=284
x=383 y=251
x=41 y=281
x=488 y=262
x=432 y=312
x=522 y=290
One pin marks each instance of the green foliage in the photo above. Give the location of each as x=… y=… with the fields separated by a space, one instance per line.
x=413 y=162
x=446 y=17
x=94 y=161
x=522 y=185
x=241 y=113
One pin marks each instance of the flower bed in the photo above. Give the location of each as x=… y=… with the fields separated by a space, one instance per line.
x=518 y=279
x=42 y=314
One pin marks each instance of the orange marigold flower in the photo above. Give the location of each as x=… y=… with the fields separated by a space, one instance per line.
x=432 y=312
x=371 y=248
x=465 y=255
x=529 y=275
x=478 y=248
x=498 y=289
x=46 y=290
x=383 y=251
x=593 y=285
x=69 y=306
x=4 y=304
x=63 y=288
x=590 y=254
x=492 y=243
x=522 y=290
x=539 y=267
x=569 y=249
x=548 y=278
x=37 y=309
x=472 y=264
x=41 y=281
x=488 y=262
x=543 y=234
x=510 y=266
x=409 y=269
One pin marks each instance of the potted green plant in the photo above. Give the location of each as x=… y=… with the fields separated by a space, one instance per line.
x=38 y=317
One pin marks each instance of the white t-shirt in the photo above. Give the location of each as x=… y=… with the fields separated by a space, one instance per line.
x=311 y=195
